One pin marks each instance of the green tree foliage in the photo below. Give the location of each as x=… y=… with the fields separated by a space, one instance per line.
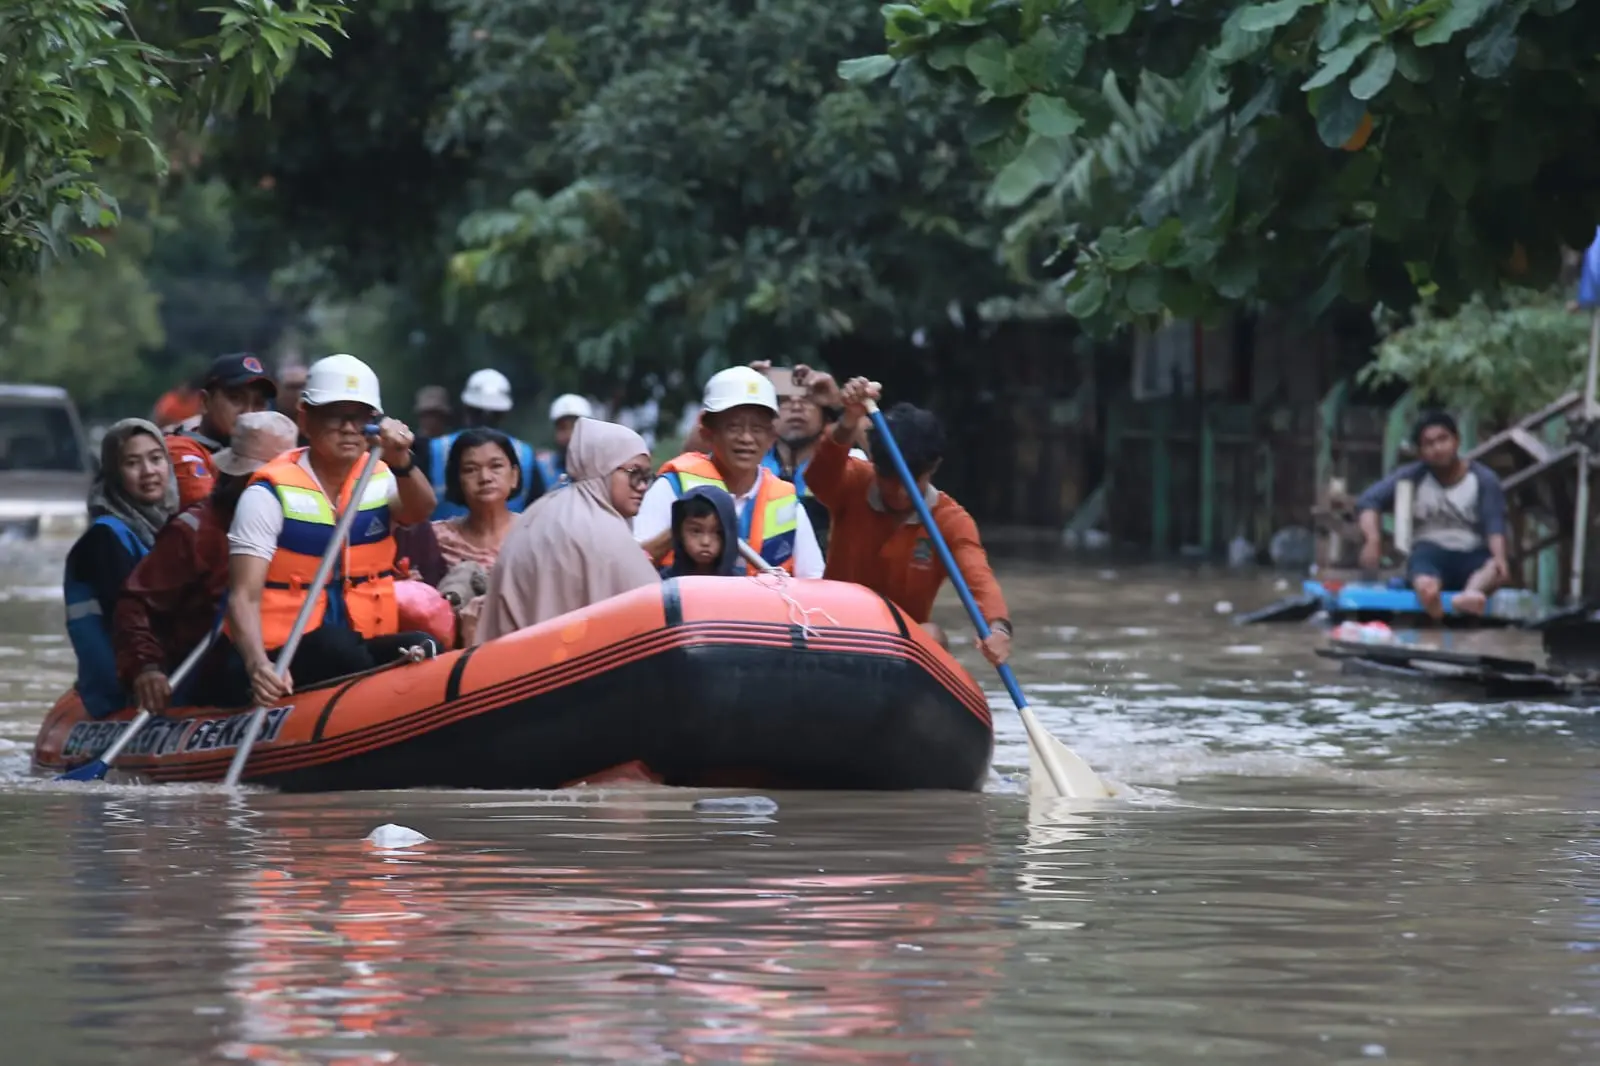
x=345 y=178
x=169 y=293
x=637 y=189
x=350 y=191
x=1498 y=361
x=1183 y=156
x=89 y=325
x=82 y=82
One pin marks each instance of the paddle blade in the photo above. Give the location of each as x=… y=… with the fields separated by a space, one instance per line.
x=1055 y=770
x=89 y=771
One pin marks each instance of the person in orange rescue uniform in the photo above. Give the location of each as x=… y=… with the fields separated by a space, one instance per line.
x=234 y=385
x=877 y=539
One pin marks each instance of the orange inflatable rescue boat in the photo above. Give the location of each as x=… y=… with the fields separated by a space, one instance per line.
x=703 y=681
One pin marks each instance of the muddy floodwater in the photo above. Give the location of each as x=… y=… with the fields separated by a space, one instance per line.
x=1302 y=868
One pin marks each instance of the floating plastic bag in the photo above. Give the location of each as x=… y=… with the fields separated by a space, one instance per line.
x=391 y=837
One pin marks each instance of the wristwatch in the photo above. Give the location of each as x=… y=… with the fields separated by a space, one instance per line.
x=405 y=471
x=1000 y=625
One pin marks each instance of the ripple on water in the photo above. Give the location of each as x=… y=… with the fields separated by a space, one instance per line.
x=1298 y=868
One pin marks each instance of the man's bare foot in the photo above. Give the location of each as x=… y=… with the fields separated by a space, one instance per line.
x=1427 y=590
x=1470 y=602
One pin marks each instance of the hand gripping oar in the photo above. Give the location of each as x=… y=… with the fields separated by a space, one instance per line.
x=1067 y=774
x=341 y=530
x=96 y=769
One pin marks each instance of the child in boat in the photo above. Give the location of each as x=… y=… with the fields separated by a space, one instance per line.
x=705 y=537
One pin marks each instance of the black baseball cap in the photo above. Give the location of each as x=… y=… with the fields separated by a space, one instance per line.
x=241 y=368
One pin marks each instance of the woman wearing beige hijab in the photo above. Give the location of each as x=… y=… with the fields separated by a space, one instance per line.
x=574 y=546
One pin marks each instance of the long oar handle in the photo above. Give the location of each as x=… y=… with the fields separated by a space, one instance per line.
x=1041 y=745
x=753 y=557
x=280 y=666
x=178 y=677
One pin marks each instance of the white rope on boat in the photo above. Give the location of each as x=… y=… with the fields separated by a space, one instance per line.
x=774 y=579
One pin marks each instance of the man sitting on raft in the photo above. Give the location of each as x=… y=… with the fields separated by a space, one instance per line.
x=739 y=414
x=1459 y=521
x=876 y=537
x=283 y=524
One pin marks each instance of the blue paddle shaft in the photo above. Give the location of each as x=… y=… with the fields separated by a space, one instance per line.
x=887 y=441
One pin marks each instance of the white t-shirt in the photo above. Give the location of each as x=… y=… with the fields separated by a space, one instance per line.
x=1447 y=515
x=655 y=518
x=258 y=521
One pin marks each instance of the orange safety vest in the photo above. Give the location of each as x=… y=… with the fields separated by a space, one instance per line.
x=767 y=522
x=362 y=585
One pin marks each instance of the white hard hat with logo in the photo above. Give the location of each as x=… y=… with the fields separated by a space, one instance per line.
x=341 y=379
x=570 y=405
x=487 y=390
x=739 y=386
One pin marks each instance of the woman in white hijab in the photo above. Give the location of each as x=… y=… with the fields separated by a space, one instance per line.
x=574 y=547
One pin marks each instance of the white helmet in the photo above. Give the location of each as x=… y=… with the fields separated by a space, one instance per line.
x=487 y=390
x=739 y=386
x=570 y=405
x=341 y=379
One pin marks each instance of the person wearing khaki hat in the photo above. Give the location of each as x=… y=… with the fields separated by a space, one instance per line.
x=169 y=603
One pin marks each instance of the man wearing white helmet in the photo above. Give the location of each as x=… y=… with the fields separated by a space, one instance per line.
x=283 y=524
x=565 y=411
x=484 y=402
x=738 y=419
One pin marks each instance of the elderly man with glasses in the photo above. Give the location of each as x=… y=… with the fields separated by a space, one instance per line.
x=738 y=421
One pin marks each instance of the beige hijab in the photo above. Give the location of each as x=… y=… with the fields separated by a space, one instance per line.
x=571 y=548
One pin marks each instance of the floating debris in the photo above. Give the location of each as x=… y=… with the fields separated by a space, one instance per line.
x=391 y=837
x=736 y=805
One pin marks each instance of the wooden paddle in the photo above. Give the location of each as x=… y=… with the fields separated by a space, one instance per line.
x=1048 y=758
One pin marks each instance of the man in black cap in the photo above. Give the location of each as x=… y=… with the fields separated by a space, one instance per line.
x=234 y=384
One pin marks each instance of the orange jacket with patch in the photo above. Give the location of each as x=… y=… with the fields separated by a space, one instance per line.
x=193 y=467
x=890 y=554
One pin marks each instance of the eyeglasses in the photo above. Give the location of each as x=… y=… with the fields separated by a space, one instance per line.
x=639 y=477
x=340 y=417
x=753 y=430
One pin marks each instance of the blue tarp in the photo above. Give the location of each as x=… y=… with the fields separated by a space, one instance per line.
x=1373 y=599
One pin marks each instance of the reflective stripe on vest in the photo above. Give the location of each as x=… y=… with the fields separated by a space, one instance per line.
x=439 y=459
x=360 y=592
x=767 y=521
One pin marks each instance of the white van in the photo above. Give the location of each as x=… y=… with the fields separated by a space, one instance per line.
x=45 y=465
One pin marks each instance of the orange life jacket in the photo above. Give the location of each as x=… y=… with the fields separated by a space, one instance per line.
x=361 y=587
x=767 y=522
